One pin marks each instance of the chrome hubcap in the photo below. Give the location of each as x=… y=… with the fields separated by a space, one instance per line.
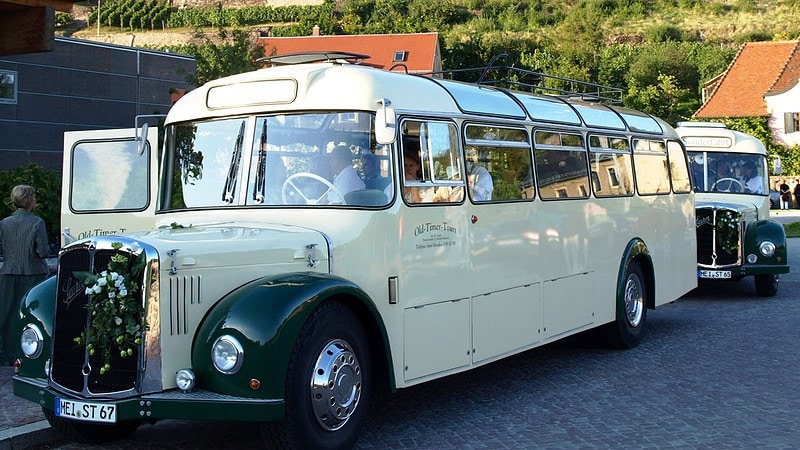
x=335 y=385
x=634 y=300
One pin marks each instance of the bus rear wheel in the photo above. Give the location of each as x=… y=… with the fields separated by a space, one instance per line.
x=627 y=329
x=767 y=285
x=328 y=383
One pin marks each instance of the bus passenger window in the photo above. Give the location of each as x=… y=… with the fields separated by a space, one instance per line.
x=498 y=163
x=431 y=163
x=677 y=168
x=561 y=167
x=611 y=165
x=652 y=173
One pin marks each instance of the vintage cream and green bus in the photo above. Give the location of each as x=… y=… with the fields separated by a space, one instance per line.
x=735 y=237
x=323 y=229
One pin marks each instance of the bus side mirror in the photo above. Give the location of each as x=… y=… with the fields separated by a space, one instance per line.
x=777 y=166
x=141 y=138
x=385 y=123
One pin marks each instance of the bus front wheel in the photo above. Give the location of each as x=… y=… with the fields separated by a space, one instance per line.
x=627 y=329
x=767 y=285
x=328 y=383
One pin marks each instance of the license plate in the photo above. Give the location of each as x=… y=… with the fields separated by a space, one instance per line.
x=90 y=412
x=714 y=273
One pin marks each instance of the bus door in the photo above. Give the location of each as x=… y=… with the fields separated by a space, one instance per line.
x=504 y=243
x=434 y=251
x=109 y=183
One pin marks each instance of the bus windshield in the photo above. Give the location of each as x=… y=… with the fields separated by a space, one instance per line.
x=277 y=160
x=728 y=172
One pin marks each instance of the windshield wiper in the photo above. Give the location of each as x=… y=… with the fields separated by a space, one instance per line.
x=233 y=170
x=258 y=192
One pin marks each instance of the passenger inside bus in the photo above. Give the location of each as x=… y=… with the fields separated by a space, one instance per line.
x=480 y=182
x=345 y=178
x=412 y=172
x=752 y=180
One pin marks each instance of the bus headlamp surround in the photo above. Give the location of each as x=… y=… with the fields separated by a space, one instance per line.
x=31 y=341
x=767 y=248
x=227 y=354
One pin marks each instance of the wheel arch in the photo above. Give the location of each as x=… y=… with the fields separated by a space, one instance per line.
x=636 y=252
x=266 y=316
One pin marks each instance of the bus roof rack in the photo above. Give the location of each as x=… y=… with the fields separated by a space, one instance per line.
x=516 y=78
x=314 y=57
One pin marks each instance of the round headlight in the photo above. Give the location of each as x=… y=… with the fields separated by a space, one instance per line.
x=767 y=248
x=31 y=341
x=184 y=378
x=227 y=354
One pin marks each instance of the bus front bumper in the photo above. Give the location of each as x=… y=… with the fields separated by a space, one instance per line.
x=173 y=404
x=741 y=271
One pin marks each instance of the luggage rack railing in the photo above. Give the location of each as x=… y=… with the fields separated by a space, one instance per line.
x=517 y=78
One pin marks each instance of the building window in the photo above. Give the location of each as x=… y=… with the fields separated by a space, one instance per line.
x=399 y=56
x=8 y=86
x=791 y=122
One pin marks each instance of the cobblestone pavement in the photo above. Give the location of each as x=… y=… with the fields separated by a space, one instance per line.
x=719 y=368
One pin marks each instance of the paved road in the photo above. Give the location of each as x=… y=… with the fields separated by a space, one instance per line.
x=719 y=368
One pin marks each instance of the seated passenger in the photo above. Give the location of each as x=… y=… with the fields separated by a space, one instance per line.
x=346 y=178
x=753 y=182
x=480 y=182
x=372 y=172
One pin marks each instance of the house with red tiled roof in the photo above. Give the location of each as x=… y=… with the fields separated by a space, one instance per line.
x=416 y=52
x=763 y=80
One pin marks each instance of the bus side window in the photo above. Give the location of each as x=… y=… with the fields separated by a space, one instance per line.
x=677 y=168
x=611 y=165
x=650 y=161
x=498 y=163
x=561 y=168
x=431 y=163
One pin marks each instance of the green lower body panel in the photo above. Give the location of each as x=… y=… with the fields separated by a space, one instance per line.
x=174 y=404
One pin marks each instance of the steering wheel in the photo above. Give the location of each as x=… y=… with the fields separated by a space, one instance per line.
x=732 y=182
x=290 y=187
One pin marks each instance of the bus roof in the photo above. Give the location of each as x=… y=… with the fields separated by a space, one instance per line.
x=717 y=137
x=339 y=85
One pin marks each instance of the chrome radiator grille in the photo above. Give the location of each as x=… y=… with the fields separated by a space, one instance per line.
x=710 y=249
x=72 y=367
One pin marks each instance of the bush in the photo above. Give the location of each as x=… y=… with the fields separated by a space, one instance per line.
x=48 y=196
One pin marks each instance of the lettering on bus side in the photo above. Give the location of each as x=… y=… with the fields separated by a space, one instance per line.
x=100 y=232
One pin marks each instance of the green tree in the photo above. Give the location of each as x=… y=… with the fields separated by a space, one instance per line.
x=665 y=99
x=664 y=58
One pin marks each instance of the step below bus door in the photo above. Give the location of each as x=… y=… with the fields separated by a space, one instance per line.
x=109 y=183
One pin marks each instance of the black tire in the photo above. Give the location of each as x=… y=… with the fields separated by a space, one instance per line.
x=92 y=433
x=767 y=285
x=627 y=329
x=328 y=383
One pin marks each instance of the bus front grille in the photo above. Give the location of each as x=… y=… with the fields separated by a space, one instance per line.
x=72 y=367
x=711 y=252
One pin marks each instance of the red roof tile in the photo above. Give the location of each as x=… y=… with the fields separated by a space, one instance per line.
x=758 y=69
x=421 y=49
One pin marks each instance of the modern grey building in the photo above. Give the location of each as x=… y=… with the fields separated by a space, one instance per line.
x=81 y=85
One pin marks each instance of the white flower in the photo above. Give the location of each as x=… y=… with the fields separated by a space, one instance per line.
x=117 y=321
x=97 y=289
x=89 y=291
x=102 y=281
x=114 y=275
x=111 y=294
x=123 y=292
x=119 y=282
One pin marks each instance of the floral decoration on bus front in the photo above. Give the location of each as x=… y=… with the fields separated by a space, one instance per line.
x=117 y=316
x=728 y=230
